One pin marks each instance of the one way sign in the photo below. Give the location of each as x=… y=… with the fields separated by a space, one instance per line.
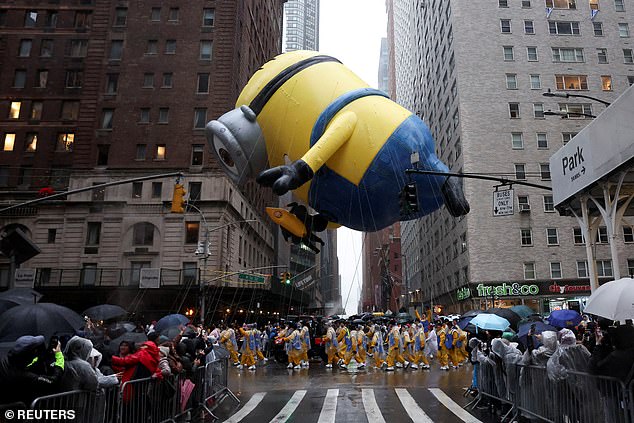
x=503 y=202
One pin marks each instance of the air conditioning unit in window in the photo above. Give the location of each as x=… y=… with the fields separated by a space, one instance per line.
x=525 y=208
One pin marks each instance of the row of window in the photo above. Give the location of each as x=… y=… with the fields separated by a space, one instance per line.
x=78 y=48
x=522 y=174
x=541 y=138
x=619 y=5
x=552 y=234
x=64 y=141
x=563 y=28
x=604 y=269
x=565 y=54
x=50 y=18
x=566 y=110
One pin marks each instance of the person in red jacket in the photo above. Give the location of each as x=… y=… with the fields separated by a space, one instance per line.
x=141 y=364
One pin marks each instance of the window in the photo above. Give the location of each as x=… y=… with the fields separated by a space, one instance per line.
x=563 y=28
x=520 y=171
x=30 y=18
x=528 y=27
x=526 y=4
x=140 y=151
x=155 y=15
x=619 y=5
x=143 y=234
x=531 y=52
x=145 y=115
x=577 y=236
x=46 y=48
x=14 y=109
x=205 y=49
x=552 y=238
x=152 y=47
x=561 y=4
x=571 y=82
x=170 y=47
x=602 y=55
x=82 y=19
x=194 y=190
x=594 y=4
x=538 y=110
x=93 y=233
x=208 y=17
x=604 y=268
x=135 y=271
x=624 y=30
x=526 y=237
x=529 y=271
x=522 y=202
x=9 y=142
x=160 y=152
x=70 y=110
x=630 y=80
x=544 y=171
x=157 y=189
x=78 y=48
x=568 y=55
x=52 y=234
x=628 y=234
x=197 y=155
x=602 y=235
x=190 y=271
x=606 y=82
x=597 y=27
x=508 y=53
x=549 y=205
x=517 y=141
x=65 y=141
x=116 y=50
x=41 y=78
x=628 y=57
x=163 y=115
x=137 y=189
x=542 y=141
x=173 y=14
x=203 y=83
x=3 y=20
x=200 y=118
x=107 y=116
x=24 y=178
x=148 y=80
x=25 y=48
x=19 y=78
x=511 y=81
x=555 y=270
x=505 y=25
x=102 y=154
x=191 y=232
x=503 y=3
x=167 y=80
x=36 y=110
x=582 y=269
x=120 y=16
x=514 y=110
x=630 y=268
x=112 y=83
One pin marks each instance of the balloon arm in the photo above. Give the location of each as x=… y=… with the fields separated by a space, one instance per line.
x=336 y=135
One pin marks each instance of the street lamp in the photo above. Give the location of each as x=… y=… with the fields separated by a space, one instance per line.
x=568 y=95
x=566 y=115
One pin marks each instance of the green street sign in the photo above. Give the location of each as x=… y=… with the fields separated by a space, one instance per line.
x=251 y=278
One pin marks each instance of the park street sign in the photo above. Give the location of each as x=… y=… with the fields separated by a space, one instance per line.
x=503 y=202
x=251 y=278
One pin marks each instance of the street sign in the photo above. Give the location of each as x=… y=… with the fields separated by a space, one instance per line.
x=24 y=278
x=503 y=202
x=150 y=278
x=251 y=278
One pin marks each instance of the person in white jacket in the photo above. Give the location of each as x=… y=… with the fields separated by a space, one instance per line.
x=431 y=343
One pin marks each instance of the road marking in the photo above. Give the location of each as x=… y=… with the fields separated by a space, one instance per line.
x=464 y=415
x=413 y=410
x=248 y=407
x=329 y=409
x=290 y=406
x=372 y=410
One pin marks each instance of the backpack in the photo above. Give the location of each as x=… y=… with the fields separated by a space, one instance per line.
x=449 y=341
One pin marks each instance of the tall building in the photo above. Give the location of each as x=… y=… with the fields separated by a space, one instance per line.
x=94 y=92
x=301 y=25
x=476 y=75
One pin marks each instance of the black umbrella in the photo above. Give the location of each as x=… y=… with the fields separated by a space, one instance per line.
x=169 y=321
x=105 y=312
x=471 y=313
x=21 y=295
x=508 y=314
x=38 y=319
x=117 y=329
x=112 y=346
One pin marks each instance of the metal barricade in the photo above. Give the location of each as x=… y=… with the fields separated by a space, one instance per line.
x=78 y=406
x=148 y=400
x=216 y=387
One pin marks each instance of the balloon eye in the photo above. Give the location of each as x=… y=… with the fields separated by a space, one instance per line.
x=226 y=157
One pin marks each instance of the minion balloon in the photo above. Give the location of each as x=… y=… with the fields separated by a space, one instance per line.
x=339 y=145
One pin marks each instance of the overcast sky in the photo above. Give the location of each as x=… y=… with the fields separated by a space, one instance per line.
x=351 y=31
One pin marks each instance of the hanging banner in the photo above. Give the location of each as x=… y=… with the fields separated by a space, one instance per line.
x=593 y=13
x=549 y=10
x=150 y=278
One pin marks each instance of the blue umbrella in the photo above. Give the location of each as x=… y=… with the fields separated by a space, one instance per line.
x=564 y=318
x=169 y=321
x=490 y=322
x=464 y=321
x=523 y=311
x=540 y=327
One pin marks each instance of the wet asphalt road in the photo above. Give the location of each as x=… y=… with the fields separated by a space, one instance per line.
x=273 y=393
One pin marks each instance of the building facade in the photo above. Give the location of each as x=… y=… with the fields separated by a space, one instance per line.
x=99 y=91
x=477 y=77
x=301 y=25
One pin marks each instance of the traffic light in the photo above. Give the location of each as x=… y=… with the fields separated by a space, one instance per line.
x=285 y=278
x=178 y=202
x=408 y=199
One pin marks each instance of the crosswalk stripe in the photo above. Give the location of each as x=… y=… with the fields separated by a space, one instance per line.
x=413 y=410
x=329 y=409
x=464 y=415
x=372 y=410
x=290 y=406
x=248 y=407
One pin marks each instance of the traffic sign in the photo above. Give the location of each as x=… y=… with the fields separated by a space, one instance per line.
x=503 y=202
x=251 y=278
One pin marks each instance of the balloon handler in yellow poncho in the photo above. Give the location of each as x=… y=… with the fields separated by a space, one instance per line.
x=341 y=146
